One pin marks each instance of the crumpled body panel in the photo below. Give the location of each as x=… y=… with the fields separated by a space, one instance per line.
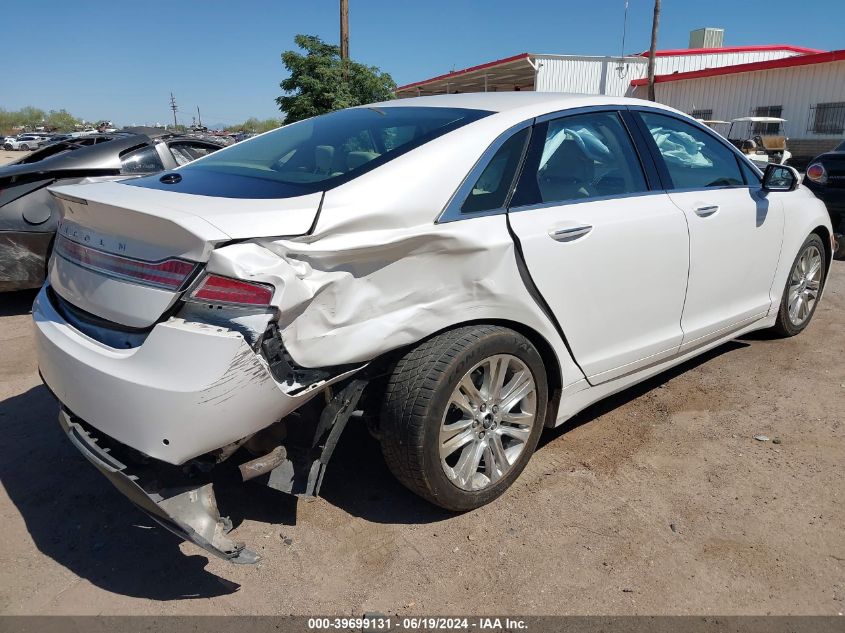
x=348 y=298
x=23 y=259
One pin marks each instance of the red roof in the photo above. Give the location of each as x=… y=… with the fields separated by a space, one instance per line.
x=458 y=73
x=733 y=49
x=785 y=62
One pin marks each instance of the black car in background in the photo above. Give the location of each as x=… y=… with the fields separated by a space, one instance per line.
x=825 y=176
x=28 y=214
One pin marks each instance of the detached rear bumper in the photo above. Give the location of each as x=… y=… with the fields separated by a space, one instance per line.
x=188 y=389
x=187 y=507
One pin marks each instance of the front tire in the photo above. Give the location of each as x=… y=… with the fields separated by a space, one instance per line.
x=462 y=414
x=803 y=287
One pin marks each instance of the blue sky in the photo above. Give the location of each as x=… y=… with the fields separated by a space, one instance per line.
x=120 y=59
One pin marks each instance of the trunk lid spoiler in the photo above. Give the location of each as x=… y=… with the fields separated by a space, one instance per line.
x=237 y=218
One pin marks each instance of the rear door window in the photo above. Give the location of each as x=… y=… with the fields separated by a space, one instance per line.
x=580 y=157
x=694 y=158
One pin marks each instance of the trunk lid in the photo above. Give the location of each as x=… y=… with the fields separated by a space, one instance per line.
x=130 y=226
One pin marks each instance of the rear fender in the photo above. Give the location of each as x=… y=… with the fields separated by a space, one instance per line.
x=346 y=298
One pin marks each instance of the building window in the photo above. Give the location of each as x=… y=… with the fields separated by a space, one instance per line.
x=702 y=115
x=768 y=128
x=828 y=118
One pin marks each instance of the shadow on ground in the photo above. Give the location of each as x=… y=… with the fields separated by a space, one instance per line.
x=16 y=303
x=75 y=517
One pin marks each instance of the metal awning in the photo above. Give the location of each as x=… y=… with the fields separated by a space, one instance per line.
x=758 y=119
x=502 y=75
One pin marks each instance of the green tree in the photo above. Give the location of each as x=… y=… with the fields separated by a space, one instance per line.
x=7 y=121
x=62 y=120
x=31 y=117
x=258 y=126
x=320 y=81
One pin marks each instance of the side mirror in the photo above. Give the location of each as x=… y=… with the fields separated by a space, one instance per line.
x=780 y=178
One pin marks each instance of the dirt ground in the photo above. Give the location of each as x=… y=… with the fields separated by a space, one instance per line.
x=8 y=157
x=657 y=501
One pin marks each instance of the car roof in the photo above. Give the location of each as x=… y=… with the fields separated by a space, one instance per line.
x=529 y=102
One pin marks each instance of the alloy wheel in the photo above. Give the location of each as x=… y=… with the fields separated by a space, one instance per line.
x=487 y=422
x=804 y=285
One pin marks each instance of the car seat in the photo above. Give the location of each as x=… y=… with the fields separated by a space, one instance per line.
x=568 y=174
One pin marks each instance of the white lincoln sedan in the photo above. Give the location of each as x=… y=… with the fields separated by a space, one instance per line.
x=455 y=272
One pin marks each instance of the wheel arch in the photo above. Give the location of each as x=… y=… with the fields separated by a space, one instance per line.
x=826 y=237
x=551 y=362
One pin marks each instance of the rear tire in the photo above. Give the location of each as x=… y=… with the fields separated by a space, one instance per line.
x=803 y=288
x=462 y=414
x=25 y=147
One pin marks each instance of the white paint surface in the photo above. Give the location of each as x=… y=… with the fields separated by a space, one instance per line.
x=377 y=273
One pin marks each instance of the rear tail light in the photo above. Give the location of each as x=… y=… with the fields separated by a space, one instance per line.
x=817 y=173
x=218 y=289
x=170 y=274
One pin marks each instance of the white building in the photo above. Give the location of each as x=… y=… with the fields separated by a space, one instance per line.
x=804 y=86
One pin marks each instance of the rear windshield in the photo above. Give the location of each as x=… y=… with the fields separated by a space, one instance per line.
x=322 y=152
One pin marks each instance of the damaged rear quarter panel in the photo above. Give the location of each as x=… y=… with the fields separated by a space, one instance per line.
x=347 y=298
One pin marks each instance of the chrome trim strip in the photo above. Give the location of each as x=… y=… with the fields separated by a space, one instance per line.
x=559 y=114
x=571 y=233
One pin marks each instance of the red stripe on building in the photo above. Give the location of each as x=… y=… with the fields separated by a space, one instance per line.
x=733 y=49
x=772 y=64
x=458 y=73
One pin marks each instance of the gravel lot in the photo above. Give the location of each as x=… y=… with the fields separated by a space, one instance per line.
x=8 y=157
x=658 y=501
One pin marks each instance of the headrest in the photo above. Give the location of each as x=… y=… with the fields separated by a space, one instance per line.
x=323 y=155
x=356 y=159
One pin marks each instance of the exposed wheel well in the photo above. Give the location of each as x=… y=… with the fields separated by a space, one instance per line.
x=824 y=234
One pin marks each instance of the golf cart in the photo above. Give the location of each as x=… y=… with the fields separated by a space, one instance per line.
x=761 y=149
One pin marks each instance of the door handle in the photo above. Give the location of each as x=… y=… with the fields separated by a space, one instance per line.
x=706 y=211
x=570 y=233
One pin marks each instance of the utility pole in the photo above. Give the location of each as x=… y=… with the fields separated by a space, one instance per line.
x=173 y=107
x=344 y=29
x=652 y=50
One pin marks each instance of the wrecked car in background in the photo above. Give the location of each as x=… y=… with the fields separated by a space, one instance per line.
x=464 y=270
x=29 y=215
x=825 y=177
